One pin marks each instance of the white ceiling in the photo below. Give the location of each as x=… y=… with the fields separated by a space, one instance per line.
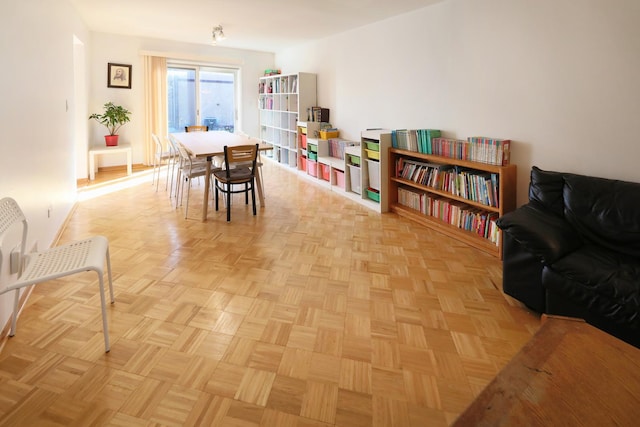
x=265 y=25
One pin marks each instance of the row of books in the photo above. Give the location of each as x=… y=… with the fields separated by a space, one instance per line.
x=478 y=186
x=278 y=103
x=287 y=84
x=454 y=213
x=336 y=147
x=481 y=149
x=475 y=149
x=418 y=140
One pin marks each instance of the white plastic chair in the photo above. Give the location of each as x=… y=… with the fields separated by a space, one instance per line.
x=160 y=156
x=64 y=260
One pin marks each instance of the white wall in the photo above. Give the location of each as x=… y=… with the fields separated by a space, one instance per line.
x=37 y=162
x=106 y=48
x=558 y=77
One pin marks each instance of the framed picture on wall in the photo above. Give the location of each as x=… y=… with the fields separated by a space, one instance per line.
x=119 y=76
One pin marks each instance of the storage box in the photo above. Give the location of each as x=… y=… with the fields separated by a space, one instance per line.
x=325 y=172
x=303 y=163
x=339 y=178
x=354 y=160
x=313 y=147
x=373 y=154
x=373 y=195
x=303 y=141
x=354 y=175
x=329 y=134
x=374 y=174
x=312 y=155
x=312 y=168
x=373 y=146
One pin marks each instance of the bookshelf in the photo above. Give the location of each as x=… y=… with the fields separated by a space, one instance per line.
x=459 y=198
x=346 y=167
x=283 y=99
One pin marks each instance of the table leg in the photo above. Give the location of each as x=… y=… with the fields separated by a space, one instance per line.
x=207 y=183
x=259 y=185
x=92 y=166
x=129 y=162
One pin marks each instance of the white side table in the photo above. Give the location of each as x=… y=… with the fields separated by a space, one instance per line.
x=96 y=151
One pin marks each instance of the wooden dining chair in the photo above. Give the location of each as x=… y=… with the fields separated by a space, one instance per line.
x=196 y=128
x=237 y=175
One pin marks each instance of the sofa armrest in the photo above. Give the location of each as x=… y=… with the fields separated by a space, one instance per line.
x=545 y=235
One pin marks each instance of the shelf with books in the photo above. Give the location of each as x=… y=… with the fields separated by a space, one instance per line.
x=493 y=151
x=282 y=99
x=457 y=197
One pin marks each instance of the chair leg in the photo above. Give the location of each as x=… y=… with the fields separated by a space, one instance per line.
x=186 y=209
x=246 y=194
x=113 y=300
x=14 y=316
x=216 y=194
x=253 y=197
x=229 y=203
x=103 y=307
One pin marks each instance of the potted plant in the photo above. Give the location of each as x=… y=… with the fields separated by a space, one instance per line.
x=113 y=118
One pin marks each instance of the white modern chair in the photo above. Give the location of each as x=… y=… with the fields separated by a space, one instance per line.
x=64 y=260
x=160 y=157
x=189 y=169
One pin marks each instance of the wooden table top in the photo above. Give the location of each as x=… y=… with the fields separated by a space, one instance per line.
x=207 y=144
x=569 y=373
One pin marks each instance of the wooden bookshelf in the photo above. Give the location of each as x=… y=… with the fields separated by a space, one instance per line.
x=506 y=197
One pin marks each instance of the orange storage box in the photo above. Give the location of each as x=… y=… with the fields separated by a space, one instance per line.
x=303 y=163
x=326 y=171
x=303 y=141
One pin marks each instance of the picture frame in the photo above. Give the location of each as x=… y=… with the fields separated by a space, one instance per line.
x=119 y=75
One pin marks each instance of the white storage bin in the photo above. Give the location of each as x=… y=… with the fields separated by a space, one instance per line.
x=354 y=174
x=374 y=174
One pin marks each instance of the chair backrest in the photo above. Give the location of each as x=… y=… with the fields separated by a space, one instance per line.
x=196 y=128
x=240 y=154
x=11 y=214
x=156 y=140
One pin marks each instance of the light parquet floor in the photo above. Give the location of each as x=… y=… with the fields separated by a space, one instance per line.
x=315 y=312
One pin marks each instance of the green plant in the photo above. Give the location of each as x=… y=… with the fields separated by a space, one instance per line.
x=113 y=118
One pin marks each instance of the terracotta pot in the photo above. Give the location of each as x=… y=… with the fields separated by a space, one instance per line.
x=111 y=140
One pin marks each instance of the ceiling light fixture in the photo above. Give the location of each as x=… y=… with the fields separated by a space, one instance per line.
x=217 y=34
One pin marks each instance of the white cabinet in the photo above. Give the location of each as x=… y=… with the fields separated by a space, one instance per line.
x=283 y=100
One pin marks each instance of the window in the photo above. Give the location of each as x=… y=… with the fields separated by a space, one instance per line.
x=199 y=95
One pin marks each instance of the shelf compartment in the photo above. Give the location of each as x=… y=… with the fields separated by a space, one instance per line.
x=374 y=174
x=339 y=178
x=355 y=179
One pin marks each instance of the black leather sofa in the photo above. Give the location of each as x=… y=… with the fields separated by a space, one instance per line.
x=574 y=250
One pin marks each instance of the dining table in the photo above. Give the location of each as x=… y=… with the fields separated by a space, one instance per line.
x=211 y=144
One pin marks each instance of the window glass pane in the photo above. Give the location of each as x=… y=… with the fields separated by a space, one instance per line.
x=217 y=100
x=181 y=89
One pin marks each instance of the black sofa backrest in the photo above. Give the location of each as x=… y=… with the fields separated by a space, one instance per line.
x=545 y=189
x=604 y=211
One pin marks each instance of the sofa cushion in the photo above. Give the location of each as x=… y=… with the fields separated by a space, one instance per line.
x=603 y=281
x=549 y=237
x=545 y=190
x=604 y=211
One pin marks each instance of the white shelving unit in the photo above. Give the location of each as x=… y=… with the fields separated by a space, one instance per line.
x=341 y=174
x=282 y=100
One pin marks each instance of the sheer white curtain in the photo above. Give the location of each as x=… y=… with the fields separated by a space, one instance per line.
x=155 y=100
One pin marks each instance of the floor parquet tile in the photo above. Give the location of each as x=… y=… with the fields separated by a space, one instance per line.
x=315 y=312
